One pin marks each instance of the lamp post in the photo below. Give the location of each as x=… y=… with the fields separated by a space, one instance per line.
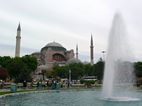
x=69 y=78
x=103 y=52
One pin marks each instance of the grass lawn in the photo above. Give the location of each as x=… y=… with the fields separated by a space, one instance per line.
x=6 y=92
x=9 y=92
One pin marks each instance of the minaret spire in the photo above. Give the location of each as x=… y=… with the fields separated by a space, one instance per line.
x=19 y=27
x=91 y=51
x=77 y=51
x=18 y=41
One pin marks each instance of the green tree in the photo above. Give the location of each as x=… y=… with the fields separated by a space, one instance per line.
x=30 y=61
x=3 y=73
x=138 y=69
x=77 y=70
x=4 y=61
x=60 y=71
x=15 y=68
x=99 y=70
x=63 y=71
x=20 y=69
x=87 y=70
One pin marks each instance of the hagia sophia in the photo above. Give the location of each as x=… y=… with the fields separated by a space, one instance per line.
x=52 y=54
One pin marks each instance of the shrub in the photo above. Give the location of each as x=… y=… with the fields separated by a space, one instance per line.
x=87 y=82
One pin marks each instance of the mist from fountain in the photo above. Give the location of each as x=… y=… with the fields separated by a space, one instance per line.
x=118 y=74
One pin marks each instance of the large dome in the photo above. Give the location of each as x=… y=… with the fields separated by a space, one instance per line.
x=53 y=44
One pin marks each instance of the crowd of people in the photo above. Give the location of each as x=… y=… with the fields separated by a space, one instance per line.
x=38 y=84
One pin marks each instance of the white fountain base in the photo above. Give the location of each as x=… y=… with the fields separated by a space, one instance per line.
x=125 y=99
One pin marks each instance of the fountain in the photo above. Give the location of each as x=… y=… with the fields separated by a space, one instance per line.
x=118 y=75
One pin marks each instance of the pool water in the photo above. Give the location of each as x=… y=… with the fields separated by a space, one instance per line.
x=81 y=97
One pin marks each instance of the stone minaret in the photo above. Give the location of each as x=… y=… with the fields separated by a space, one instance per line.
x=91 y=51
x=18 y=40
x=76 y=51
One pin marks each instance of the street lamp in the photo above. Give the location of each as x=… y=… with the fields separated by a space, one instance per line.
x=69 y=78
x=103 y=52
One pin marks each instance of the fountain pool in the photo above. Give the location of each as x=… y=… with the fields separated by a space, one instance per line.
x=81 y=97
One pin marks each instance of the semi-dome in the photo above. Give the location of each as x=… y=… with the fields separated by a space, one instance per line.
x=73 y=60
x=53 y=44
x=35 y=53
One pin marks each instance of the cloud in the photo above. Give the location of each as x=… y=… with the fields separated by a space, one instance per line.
x=9 y=50
x=68 y=22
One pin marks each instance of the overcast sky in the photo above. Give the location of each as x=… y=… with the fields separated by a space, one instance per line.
x=68 y=22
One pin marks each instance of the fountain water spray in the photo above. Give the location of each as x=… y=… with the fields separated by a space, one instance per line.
x=118 y=75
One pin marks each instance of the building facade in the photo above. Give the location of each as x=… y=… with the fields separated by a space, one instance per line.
x=53 y=53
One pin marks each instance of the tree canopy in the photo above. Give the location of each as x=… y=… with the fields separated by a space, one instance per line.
x=78 y=70
x=19 y=68
x=3 y=73
x=138 y=69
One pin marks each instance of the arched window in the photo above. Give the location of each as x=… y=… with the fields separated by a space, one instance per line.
x=58 y=57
